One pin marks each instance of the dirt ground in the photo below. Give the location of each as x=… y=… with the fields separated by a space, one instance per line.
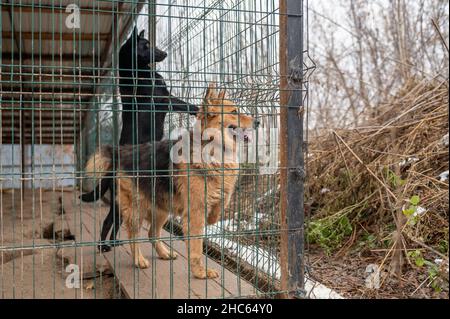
x=32 y=262
x=347 y=275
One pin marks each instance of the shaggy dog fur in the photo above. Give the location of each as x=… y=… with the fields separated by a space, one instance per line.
x=145 y=103
x=199 y=190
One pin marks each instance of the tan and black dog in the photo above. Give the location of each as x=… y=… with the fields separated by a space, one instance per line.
x=198 y=190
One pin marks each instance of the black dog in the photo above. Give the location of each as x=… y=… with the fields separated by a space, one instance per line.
x=145 y=103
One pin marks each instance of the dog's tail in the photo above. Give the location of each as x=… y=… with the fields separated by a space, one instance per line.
x=100 y=163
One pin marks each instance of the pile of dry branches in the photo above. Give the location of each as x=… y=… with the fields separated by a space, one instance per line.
x=385 y=184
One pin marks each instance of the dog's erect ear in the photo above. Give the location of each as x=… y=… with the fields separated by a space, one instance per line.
x=222 y=94
x=208 y=100
x=211 y=92
x=141 y=35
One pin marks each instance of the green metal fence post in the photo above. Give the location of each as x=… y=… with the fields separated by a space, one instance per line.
x=291 y=156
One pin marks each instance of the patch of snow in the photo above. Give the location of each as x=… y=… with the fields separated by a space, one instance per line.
x=444 y=176
x=419 y=211
x=255 y=221
x=324 y=191
x=440 y=262
x=408 y=161
x=315 y=290
x=232 y=227
x=270 y=192
x=262 y=259
x=444 y=140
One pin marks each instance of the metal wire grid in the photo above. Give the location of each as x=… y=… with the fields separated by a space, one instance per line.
x=234 y=43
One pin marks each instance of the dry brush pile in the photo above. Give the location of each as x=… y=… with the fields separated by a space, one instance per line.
x=384 y=185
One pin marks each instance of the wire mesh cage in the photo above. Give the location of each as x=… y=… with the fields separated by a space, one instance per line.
x=94 y=97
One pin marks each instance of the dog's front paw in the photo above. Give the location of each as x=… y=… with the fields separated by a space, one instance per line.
x=202 y=273
x=142 y=263
x=164 y=252
x=167 y=255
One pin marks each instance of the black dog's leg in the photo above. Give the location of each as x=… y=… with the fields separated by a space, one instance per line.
x=182 y=106
x=98 y=192
x=91 y=196
x=95 y=195
x=114 y=220
x=107 y=224
x=116 y=226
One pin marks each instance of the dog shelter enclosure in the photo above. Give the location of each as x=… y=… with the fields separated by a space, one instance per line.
x=60 y=102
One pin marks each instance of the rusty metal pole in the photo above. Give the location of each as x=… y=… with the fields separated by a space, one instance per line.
x=19 y=43
x=292 y=172
x=152 y=26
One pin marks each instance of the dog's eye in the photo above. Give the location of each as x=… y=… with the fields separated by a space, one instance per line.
x=234 y=112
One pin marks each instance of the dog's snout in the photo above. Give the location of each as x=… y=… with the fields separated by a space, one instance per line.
x=160 y=55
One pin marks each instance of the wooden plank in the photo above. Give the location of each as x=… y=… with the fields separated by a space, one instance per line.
x=57 y=56
x=91 y=219
x=163 y=279
x=92 y=264
x=45 y=72
x=227 y=284
x=56 y=122
x=55 y=9
x=57 y=36
x=56 y=89
x=52 y=99
x=59 y=77
x=24 y=130
x=38 y=114
x=57 y=140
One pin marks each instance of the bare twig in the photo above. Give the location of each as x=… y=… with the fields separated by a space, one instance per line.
x=440 y=34
x=366 y=167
